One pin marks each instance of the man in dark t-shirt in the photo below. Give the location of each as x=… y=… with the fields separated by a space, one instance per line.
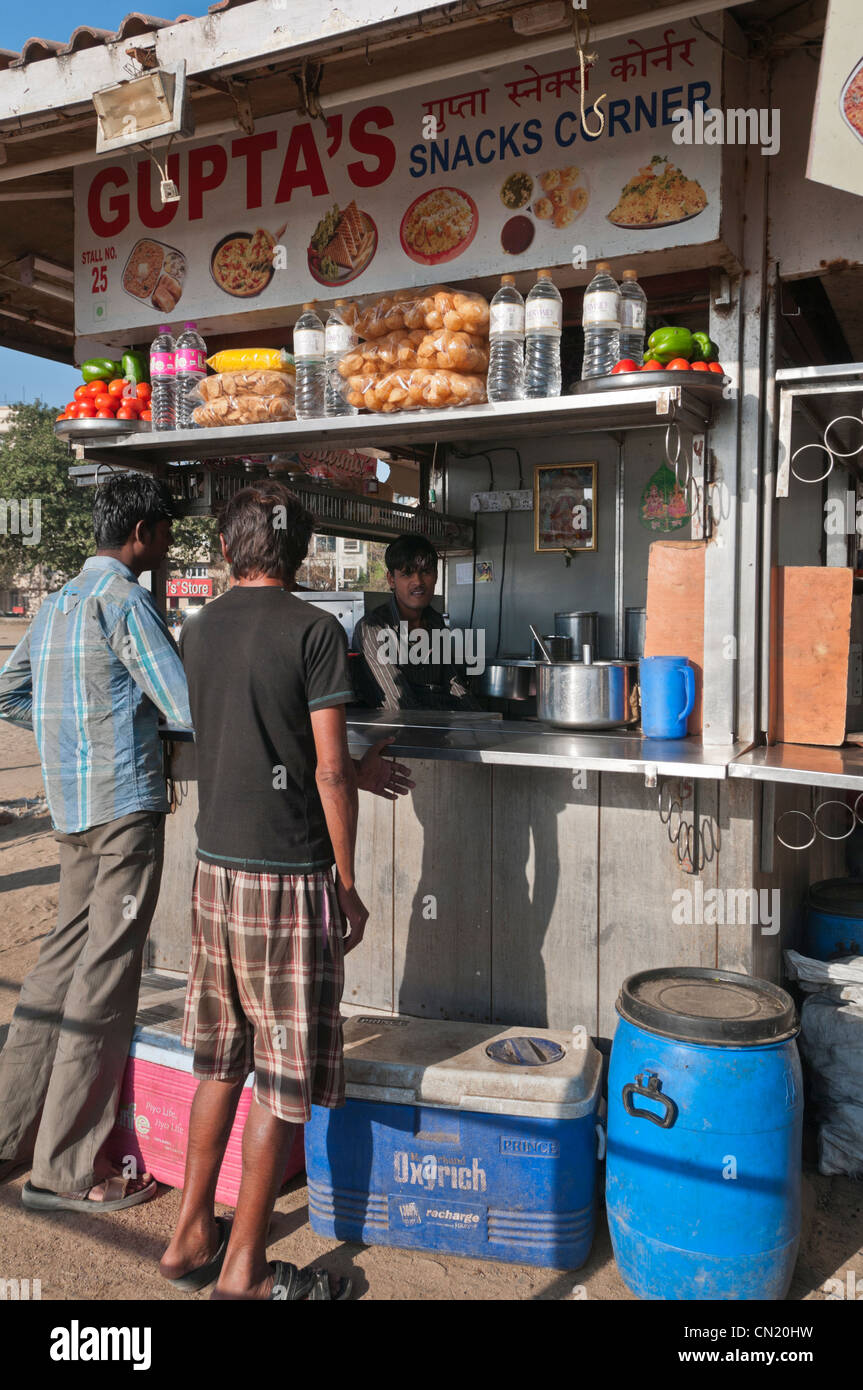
x=268 y=684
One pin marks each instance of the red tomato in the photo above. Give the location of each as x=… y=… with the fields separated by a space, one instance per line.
x=715 y=367
x=70 y=408
x=678 y=364
x=58 y=418
x=653 y=366
x=625 y=365
x=117 y=386
x=105 y=415
x=94 y=388
x=103 y=401
x=699 y=366
x=80 y=391
x=124 y=413
x=86 y=411
x=130 y=403
x=146 y=415
x=143 y=390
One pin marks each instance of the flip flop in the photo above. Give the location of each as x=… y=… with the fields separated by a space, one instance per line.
x=322 y=1291
x=291 y=1285
x=207 y=1273
x=40 y=1199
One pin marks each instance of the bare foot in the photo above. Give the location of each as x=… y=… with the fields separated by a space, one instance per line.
x=190 y=1249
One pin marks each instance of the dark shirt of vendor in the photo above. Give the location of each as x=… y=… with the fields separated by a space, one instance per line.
x=405 y=649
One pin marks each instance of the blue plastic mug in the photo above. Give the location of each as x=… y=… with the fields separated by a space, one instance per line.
x=667 y=695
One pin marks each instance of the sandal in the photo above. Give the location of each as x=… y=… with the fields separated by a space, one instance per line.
x=340 y=1290
x=291 y=1285
x=207 y=1273
x=117 y=1196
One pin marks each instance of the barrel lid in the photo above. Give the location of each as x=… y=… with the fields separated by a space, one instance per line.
x=719 y=1007
x=843 y=896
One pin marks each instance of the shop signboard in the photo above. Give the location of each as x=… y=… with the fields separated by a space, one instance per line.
x=836 y=143
x=189 y=588
x=454 y=179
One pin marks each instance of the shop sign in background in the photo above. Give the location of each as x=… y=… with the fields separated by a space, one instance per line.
x=836 y=146
x=448 y=181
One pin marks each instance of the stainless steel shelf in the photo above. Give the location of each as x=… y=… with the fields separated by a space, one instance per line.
x=615 y=409
x=803 y=764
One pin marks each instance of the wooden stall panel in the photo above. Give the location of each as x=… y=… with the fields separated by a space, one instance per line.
x=544 y=898
x=170 y=938
x=811 y=626
x=369 y=969
x=675 y=609
x=442 y=893
x=648 y=905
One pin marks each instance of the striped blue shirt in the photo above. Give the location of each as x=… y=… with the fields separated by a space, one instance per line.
x=90 y=677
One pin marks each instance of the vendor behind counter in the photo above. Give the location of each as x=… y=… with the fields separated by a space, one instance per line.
x=391 y=672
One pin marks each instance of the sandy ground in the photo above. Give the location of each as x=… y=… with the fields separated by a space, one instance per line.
x=114 y=1257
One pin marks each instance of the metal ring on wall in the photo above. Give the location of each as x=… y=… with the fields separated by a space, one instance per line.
x=821 y=476
x=673 y=838
x=836 y=452
x=705 y=826
x=857 y=815
x=785 y=842
x=685 y=842
x=834 y=802
x=663 y=787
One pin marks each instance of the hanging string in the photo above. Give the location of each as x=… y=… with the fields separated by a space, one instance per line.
x=586 y=60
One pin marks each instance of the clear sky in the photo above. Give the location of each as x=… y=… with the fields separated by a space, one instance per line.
x=22 y=376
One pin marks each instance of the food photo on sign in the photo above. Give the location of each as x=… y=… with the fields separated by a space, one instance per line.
x=509 y=174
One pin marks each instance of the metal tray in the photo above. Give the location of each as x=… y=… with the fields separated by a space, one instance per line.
x=99 y=429
x=705 y=385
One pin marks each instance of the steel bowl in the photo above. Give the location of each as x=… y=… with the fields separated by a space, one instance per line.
x=511 y=678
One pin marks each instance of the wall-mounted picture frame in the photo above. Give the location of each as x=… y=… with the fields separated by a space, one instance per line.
x=564 y=506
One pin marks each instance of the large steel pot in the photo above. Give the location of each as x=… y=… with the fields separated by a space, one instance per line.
x=510 y=678
x=587 y=694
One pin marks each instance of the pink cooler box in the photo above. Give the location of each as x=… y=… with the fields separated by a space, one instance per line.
x=153 y=1120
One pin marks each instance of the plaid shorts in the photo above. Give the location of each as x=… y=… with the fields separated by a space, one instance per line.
x=265 y=982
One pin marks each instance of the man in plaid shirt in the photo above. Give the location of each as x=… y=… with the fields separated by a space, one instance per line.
x=90 y=678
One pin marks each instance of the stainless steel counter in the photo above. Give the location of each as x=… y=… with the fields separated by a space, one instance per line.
x=804 y=764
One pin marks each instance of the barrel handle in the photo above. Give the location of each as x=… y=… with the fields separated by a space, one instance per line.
x=653 y=1091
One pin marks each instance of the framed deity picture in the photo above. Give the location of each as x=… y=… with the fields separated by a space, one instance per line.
x=564 y=506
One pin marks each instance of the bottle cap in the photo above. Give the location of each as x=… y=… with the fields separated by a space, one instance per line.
x=507 y=279
x=337 y=302
x=629 y=275
x=544 y=274
x=311 y=304
x=164 y=328
x=603 y=265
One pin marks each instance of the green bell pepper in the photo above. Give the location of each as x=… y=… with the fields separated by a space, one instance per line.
x=100 y=369
x=705 y=348
x=667 y=343
x=136 y=366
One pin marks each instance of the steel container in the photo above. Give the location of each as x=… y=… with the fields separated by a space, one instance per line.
x=587 y=695
x=634 y=622
x=512 y=678
x=558 y=646
x=580 y=626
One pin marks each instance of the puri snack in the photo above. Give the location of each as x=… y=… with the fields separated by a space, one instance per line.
x=397 y=349
x=256 y=382
x=460 y=352
x=243 y=410
x=415 y=390
x=439 y=307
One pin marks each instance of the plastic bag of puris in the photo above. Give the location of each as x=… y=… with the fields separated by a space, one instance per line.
x=461 y=311
x=461 y=352
x=244 y=398
x=420 y=388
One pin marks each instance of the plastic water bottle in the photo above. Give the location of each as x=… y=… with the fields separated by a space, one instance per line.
x=309 y=356
x=543 y=323
x=601 y=323
x=506 y=343
x=190 y=364
x=163 y=400
x=339 y=337
x=633 y=318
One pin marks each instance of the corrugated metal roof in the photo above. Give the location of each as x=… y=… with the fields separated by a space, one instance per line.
x=85 y=36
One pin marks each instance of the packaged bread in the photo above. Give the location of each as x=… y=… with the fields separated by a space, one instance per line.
x=416 y=389
x=460 y=311
x=242 y=409
x=397 y=349
x=460 y=352
x=256 y=382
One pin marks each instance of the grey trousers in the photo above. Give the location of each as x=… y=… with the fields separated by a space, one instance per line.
x=63 y=1062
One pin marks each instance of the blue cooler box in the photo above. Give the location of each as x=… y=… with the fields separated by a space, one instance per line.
x=442 y=1146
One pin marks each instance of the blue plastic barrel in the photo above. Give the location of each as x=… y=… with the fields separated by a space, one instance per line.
x=834 y=919
x=705 y=1116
